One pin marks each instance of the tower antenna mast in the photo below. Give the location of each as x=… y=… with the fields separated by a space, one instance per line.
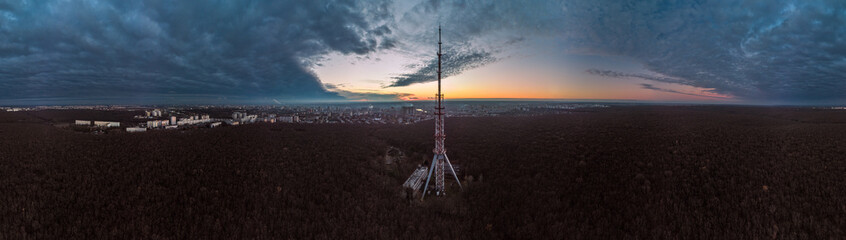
x=440 y=160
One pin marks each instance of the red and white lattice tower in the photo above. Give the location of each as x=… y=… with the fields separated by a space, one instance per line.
x=440 y=161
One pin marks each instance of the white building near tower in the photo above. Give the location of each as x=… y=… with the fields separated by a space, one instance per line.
x=106 y=124
x=136 y=129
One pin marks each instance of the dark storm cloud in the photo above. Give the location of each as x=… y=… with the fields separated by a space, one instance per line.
x=453 y=61
x=760 y=50
x=145 y=48
x=757 y=50
x=773 y=50
x=468 y=20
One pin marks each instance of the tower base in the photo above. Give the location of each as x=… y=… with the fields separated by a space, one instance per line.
x=440 y=163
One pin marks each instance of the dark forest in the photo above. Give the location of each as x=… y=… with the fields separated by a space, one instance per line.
x=623 y=172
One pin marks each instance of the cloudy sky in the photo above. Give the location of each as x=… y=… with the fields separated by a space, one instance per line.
x=90 y=51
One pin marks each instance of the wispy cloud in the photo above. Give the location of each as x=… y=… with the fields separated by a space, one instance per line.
x=615 y=74
x=664 y=79
x=369 y=95
x=651 y=87
x=454 y=61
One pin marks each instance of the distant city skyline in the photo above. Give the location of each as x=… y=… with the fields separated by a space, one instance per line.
x=275 y=52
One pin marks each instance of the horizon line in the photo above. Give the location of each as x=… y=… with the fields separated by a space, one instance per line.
x=272 y=102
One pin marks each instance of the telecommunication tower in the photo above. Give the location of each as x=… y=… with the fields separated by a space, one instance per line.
x=440 y=160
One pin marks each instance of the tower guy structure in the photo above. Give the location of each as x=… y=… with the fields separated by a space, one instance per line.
x=440 y=160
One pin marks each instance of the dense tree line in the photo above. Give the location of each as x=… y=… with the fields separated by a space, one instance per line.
x=636 y=172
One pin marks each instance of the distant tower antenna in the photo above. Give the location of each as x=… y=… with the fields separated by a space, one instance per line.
x=440 y=160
